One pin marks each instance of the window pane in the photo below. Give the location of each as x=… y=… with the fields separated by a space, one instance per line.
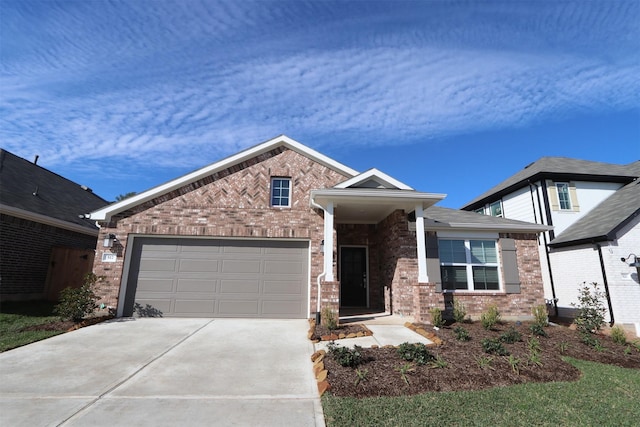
x=452 y=251
x=496 y=208
x=483 y=251
x=454 y=277
x=563 y=195
x=486 y=278
x=280 y=188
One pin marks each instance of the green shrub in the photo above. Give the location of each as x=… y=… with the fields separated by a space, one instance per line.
x=76 y=303
x=537 y=329
x=461 y=334
x=494 y=346
x=329 y=318
x=540 y=315
x=459 y=311
x=591 y=310
x=490 y=318
x=514 y=362
x=618 y=336
x=436 y=317
x=417 y=353
x=346 y=356
x=511 y=336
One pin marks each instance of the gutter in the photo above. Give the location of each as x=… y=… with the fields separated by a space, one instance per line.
x=606 y=283
x=324 y=270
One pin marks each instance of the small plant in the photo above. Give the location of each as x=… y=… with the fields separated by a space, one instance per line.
x=618 y=335
x=540 y=315
x=404 y=370
x=418 y=353
x=346 y=356
x=484 y=362
x=538 y=330
x=329 y=318
x=459 y=311
x=591 y=310
x=636 y=345
x=534 y=359
x=627 y=350
x=494 y=346
x=511 y=336
x=438 y=363
x=534 y=351
x=461 y=334
x=76 y=303
x=563 y=346
x=361 y=376
x=591 y=341
x=436 y=317
x=514 y=362
x=490 y=318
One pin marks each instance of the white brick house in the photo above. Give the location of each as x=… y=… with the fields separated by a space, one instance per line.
x=594 y=208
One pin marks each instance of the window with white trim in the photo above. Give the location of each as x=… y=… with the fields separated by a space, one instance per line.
x=564 y=199
x=470 y=265
x=281 y=192
x=496 y=208
x=480 y=211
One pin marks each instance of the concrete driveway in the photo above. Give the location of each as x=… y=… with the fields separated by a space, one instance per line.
x=164 y=372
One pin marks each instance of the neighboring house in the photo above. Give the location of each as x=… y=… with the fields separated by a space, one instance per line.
x=44 y=243
x=254 y=234
x=594 y=208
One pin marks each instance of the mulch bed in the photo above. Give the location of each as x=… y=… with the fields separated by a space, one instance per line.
x=66 y=325
x=320 y=331
x=463 y=371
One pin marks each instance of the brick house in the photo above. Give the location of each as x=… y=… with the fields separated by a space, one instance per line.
x=44 y=244
x=254 y=235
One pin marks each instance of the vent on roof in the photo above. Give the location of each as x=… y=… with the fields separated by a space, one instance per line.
x=529 y=165
x=85 y=188
x=35 y=161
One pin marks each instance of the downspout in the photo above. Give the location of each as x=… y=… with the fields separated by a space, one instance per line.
x=321 y=275
x=606 y=283
x=546 y=247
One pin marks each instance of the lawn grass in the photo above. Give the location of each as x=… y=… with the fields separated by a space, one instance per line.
x=17 y=315
x=605 y=396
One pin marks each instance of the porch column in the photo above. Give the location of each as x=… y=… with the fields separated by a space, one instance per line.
x=328 y=242
x=422 y=250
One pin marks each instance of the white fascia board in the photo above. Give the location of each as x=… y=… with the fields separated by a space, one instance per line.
x=364 y=196
x=105 y=213
x=533 y=228
x=44 y=219
x=374 y=173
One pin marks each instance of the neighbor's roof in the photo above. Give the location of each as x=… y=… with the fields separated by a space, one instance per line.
x=439 y=218
x=559 y=168
x=282 y=140
x=32 y=192
x=605 y=220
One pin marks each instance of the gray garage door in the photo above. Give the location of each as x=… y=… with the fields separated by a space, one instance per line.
x=218 y=278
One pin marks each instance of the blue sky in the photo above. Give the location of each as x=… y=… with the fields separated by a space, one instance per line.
x=448 y=97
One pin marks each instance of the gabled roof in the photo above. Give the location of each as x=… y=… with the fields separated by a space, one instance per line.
x=279 y=141
x=605 y=220
x=439 y=218
x=32 y=192
x=373 y=178
x=558 y=168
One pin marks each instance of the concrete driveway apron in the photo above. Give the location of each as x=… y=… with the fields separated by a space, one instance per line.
x=164 y=372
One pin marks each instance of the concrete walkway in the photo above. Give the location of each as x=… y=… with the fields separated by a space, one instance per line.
x=164 y=372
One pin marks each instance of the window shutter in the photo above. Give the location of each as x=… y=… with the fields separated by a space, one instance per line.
x=510 y=266
x=553 y=195
x=574 y=197
x=433 y=262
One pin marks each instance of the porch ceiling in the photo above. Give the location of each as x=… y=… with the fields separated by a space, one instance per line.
x=370 y=206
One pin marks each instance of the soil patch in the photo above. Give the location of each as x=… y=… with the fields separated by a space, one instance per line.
x=469 y=367
x=322 y=333
x=66 y=325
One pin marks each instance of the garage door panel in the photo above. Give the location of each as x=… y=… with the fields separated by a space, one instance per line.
x=239 y=286
x=241 y=266
x=194 y=285
x=155 y=285
x=198 y=265
x=238 y=308
x=218 y=278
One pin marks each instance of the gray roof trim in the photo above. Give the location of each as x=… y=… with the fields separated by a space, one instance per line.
x=43 y=219
x=560 y=169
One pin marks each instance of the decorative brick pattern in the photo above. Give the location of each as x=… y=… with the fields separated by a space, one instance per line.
x=25 y=249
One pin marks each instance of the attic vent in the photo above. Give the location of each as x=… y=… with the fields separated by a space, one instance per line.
x=529 y=165
x=85 y=188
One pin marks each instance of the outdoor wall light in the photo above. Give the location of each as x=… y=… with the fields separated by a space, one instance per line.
x=322 y=246
x=108 y=240
x=635 y=263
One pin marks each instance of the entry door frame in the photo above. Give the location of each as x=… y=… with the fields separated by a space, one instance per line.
x=366 y=266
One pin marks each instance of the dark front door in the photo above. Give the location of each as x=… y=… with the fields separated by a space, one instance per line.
x=353 y=277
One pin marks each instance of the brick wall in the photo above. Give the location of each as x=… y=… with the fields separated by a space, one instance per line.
x=25 y=248
x=230 y=203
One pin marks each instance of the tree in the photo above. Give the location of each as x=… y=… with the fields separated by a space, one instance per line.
x=121 y=197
